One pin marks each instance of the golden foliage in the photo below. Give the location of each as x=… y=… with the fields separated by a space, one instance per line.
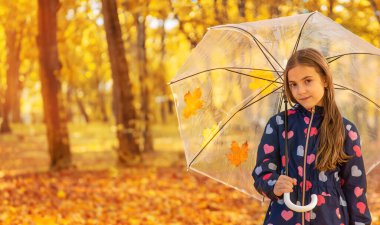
x=238 y=154
x=193 y=102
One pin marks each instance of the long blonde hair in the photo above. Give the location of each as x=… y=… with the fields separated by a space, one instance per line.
x=330 y=151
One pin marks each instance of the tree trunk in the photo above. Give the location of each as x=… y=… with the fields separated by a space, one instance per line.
x=16 y=106
x=13 y=41
x=54 y=110
x=144 y=79
x=101 y=97
x=161 y=78
x=241 y=7
x=82 y=109
x=128 y=150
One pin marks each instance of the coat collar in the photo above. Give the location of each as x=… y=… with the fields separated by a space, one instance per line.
x=319 y=110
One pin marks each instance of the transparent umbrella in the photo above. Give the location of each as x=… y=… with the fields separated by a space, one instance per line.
x=232 y=83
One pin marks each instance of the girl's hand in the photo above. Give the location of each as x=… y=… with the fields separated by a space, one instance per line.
x=283 y=185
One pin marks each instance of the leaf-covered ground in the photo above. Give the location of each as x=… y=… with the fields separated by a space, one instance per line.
x=95 y=191
x=129 y=196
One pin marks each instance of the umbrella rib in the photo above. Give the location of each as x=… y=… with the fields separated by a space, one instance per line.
x=361 y=95
x=300 y=33
x=247 y=105
x=353 y=53
x=224 y=124
x=221 y=68
x=273 y=81
x=259 y=44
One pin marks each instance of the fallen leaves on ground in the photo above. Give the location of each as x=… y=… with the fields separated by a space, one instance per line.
x=127 y=196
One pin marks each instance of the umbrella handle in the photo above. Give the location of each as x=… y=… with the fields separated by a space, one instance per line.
x=298 y=208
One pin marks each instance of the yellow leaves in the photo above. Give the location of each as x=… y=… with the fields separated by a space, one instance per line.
x=44 y=220
x=61 y=194
x=260 y=84
x=208 y=133
x=238 y=154
x=193 y=102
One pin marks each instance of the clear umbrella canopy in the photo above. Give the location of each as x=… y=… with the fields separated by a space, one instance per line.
x=231 y=84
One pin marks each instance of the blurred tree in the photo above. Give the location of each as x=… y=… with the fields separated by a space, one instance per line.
x=128 y=150
x=54 y=108
x=14 y=28
x=85 y=64
x=145 y=81
x=139 y=11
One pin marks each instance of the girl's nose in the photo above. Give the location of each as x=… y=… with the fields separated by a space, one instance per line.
x=301 y=89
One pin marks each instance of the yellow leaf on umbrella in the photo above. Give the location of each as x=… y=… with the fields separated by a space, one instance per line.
x=208 y=133
x=262 y=84
x=238 y=154
x=193 y=102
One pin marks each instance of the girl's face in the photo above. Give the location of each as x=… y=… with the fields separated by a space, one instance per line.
x=306 y=86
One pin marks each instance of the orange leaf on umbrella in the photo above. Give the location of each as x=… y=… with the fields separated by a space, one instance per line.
x=238 y=154
x=193 y=102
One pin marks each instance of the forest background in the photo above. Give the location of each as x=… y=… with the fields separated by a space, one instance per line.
x=88 y=128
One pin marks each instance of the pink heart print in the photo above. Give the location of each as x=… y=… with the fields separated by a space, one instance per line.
x=338 y=213
x=268 y=148
x=357 y=150
x=321 y=200
x=325 y=194
x=358 y=191
x=310 y=158
x=306 y=119
x=361 y=206
x=307 y=216
x=290 y=134
x=300 y=171
x=266 y=176
x=313 y=131
x=283 y=160
x=287 y=215
x=353 y=135
x=291 y=111
x=308 y=185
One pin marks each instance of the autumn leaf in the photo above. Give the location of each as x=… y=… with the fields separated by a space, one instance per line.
x=208 y=133
x=238 y=154
x=260 y=84
x=193 y=102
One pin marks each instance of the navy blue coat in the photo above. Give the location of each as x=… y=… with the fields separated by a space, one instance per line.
x=341 y=192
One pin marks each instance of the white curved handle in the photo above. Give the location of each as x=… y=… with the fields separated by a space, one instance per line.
x=298 y=208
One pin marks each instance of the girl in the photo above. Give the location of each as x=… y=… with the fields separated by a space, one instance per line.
x=324 y=152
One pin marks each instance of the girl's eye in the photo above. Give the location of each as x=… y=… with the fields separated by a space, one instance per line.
x=292 y=85
x=307 y=81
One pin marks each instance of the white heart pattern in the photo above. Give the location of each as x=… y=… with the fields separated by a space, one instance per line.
x=336 y=175
x=279 y=120
x=271 y=182
x=359 y=223
x=272 y=166
x=322 y=176
x=269 y=129
x=355 y=171
x=258 y=170
x=313 y=215
x=342 y=201
x=348 y=127
x=300 y=150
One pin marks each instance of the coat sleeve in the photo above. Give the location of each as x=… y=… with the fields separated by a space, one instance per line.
x=354 y=183
x=266 y=171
